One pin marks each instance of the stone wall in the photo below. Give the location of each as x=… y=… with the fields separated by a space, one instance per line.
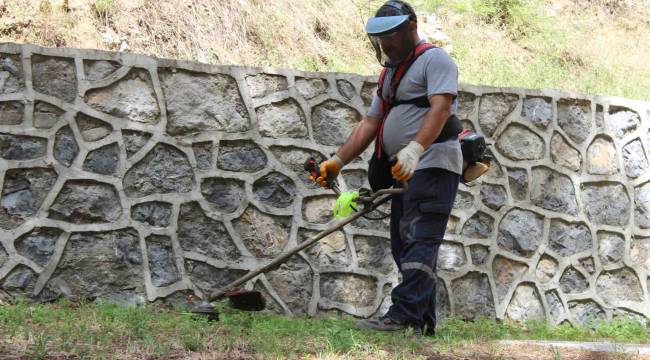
x=139 y=179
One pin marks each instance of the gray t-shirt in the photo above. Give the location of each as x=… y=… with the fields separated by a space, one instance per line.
x=434 y=72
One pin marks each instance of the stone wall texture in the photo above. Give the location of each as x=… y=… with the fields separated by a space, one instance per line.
x=137 y=179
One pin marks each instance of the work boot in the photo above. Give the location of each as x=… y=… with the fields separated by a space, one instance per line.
x=385 y=323
x=428 y=330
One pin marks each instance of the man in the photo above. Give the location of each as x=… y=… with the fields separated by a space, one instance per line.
x=431 y=165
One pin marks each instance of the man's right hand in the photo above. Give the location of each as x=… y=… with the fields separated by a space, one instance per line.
x=329 y=170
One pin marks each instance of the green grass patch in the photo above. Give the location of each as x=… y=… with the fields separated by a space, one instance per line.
x=97 y=329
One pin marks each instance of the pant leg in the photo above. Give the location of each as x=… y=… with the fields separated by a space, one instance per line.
x=425 y=211
x=395 y=238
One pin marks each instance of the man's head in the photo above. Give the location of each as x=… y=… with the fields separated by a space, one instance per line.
x=393 y=32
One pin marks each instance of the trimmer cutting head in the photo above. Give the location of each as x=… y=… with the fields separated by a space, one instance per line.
x=247 y=300
x=206 y=309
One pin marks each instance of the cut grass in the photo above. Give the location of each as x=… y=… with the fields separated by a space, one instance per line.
x=95 y=330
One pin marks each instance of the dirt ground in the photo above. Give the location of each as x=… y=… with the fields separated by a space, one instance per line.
x=530 y=352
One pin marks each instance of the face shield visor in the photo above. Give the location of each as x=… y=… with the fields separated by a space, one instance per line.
x=390 y=38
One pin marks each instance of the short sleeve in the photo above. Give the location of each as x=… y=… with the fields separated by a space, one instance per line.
x=375 y=107
x=441 y=74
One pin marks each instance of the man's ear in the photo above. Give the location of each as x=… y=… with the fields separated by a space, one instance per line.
x=413 y=26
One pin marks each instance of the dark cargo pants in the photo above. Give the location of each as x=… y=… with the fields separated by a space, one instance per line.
x=418 y=222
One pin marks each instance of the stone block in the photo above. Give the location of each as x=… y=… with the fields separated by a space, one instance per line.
x=493 y=109
x=99 y=69
x=202 y=234
x=520 y=143
x=346 y=89
x=92 y=129
x=451 y=257
x=606 y=203
x=640 y=252
x=601 y=157
x=642 y=205
x=12 y=79
x=586 y=312
x=573 y=281
x=11 y=112
x=374 y=253
x=332 y=250
x=622 y=121
x=318 y=209
x=264 y=84
x=132 y=98
x=282 y=119
x=368 y=90
x=466 y=105
x=635 y=159
x=569 y=238
x=208 y=278
x=310 y=88
x=546 y=269
x=464 y=200
x=134 y=140
x=293 y=282
x=480 y=225
x=164 y=170
x=538 y=110
x=54 y=76
x=479 y=254
x=294 y=158
x=332 y=122
x=103 y=160
x=518 y=181
x=506 y=273
x=224 y=194
x=102 y=265
x=525 y=305
x=493 y=196
x=564 y=154
x=619 y=286
x=162 y=264
x=23 y=194
x=202 y=102
x=38 y=245
x=263 y=235
x=46 y=115
x=22 y=147
x=472 y=296
x=203 y=155
x=86 y=202
x=555 y=307
x=154 y=213
x=66 y=148
x=352 y=289
x=574 y=117
x=240 y=155
x=520 y=232
x=611 y=247
x=275 y=189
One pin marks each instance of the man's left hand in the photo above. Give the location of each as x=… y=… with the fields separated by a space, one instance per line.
x=407 y=161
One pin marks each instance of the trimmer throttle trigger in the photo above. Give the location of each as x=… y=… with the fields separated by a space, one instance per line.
x=311 y=166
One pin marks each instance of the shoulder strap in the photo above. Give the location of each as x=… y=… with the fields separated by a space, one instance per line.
x=394 y=83
x=404 y=68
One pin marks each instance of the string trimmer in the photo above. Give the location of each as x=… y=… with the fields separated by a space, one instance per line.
x=362 y=203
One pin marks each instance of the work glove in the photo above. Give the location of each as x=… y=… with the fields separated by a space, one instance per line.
x=407 y=161
x=329 y=170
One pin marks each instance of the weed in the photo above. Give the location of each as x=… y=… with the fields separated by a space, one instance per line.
x=555 y=352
